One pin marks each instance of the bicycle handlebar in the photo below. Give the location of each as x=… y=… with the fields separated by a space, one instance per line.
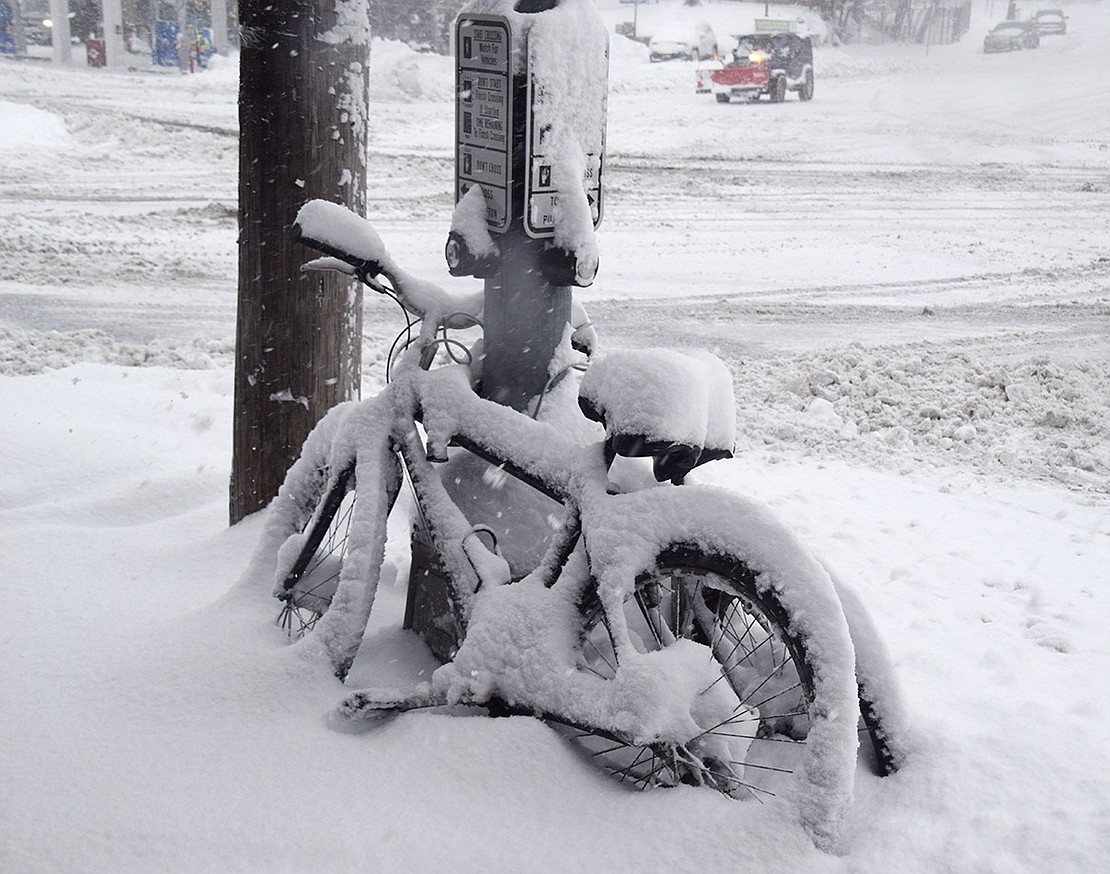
x=354 y=248
x=336 y=231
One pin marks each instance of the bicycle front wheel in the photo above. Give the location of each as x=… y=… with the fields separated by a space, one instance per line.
x=308 y=586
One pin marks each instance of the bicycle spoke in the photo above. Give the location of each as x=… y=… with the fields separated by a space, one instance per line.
x=763 y=682
x=768 y=640
x=756 y=737
x=735 y=720
x=652 y=624
x=751 y=787
x=653 y=769
x=776 y=695
x=611 y=749
x=720 y=677
x=749 y=623
x=612 y=667
x=747 y=656
x=732 y=778
x=684 y=608
x=636 y=761
x=318 y=586
x=595 y=671
x=723 y=619
x=763 y=767
x=333 y=541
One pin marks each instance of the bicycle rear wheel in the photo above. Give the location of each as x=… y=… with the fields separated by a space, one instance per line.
x=752 y=751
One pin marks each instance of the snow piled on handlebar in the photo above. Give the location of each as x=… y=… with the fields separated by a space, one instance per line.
x=341 y=229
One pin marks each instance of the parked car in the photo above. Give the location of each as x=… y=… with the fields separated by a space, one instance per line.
x=766 y=63
x=1008 y=36
x=683 y=39
x=1051 y=21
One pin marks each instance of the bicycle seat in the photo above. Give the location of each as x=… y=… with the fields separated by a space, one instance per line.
x=676 y=407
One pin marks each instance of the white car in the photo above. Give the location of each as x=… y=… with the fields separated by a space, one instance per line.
x=685 y=40
x=1050 y=21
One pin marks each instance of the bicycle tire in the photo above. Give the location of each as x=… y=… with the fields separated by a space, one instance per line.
x=882 y=710
x=307 y=588
x=325 y=586
x=709 y=599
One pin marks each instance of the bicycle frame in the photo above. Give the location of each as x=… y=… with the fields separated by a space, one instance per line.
x=474 y=427
x=614 y=529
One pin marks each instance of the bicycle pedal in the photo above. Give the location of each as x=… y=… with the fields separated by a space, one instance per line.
x=373 y=704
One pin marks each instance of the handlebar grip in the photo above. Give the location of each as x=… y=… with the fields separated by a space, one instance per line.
x=334 y=230
x=364 y=269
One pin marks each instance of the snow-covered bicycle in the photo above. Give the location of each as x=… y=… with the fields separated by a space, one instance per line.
x=675 y=633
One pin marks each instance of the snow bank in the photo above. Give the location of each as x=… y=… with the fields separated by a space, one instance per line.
x=400 y=75
x=857 y=61
x=1038 y=418
x=29 y=128
x=25 y=352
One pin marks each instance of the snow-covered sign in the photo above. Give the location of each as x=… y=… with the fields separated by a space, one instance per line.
x=541 y=195
x=532 y=90
x=775 y=25
x=484 y=117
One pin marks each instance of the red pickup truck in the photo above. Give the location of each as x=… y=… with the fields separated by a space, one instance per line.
x=766 y=63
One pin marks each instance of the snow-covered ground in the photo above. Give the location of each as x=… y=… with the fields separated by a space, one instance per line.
x=910 y=279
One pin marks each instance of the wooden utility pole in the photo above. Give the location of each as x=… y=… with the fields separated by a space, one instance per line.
x=303 y=105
